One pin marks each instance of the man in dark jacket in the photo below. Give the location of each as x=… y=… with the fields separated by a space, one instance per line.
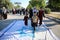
x=40 y=15
x=30 y=12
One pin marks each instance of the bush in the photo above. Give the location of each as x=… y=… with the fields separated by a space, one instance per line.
x=47 y=10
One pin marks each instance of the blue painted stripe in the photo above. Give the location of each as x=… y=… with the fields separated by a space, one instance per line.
x=7 y=29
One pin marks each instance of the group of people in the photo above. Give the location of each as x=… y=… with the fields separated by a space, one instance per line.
x=19 y=11
x=35 y=15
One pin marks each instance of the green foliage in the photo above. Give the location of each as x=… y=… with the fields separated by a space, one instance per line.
x=10 y=6
x=54 y=3
x=6 y=3
x=37 y=3
x=47 y=10
x=29 y=6
x=18 y=6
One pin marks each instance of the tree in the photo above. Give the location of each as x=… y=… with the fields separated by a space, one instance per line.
x=29 y=6
x=6 y=3
x=54 y=3
x=17 y=6
x=10 y=6
x=37 y=3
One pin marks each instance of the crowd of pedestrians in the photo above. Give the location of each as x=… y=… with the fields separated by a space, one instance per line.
x=19 y=11
x=34 y=16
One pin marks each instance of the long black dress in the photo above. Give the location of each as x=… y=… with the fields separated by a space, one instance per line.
x=31 y=13
x=26 y=20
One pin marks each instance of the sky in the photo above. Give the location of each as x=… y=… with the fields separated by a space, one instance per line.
x=24 y=3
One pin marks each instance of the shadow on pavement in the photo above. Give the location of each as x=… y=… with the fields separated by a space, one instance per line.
x=50 y=22
x=54 y=19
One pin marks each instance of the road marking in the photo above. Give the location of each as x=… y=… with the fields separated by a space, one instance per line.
x=51 y=33
x=6 y=29
x=41 y=33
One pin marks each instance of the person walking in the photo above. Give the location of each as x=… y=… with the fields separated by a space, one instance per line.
x=30 y=13
x=23 y=10
x=26 y=11
x=35 y=10
x=20 y=11
x=26 y=19
x=4 y=10
x=14 y=11
x=34 y=20
x=40 y=15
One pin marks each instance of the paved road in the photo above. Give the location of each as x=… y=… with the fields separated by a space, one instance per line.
x=18 y=31
x=4 y=23
x=54 y=26
x=41 y=32
x=10 y=19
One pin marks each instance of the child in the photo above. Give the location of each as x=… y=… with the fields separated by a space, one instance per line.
x=26 y=19
x=34 y=21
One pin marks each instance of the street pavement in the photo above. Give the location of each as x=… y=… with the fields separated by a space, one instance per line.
x=10 y=19
x=18 y=31
x=4 y=23
x=54 y=26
